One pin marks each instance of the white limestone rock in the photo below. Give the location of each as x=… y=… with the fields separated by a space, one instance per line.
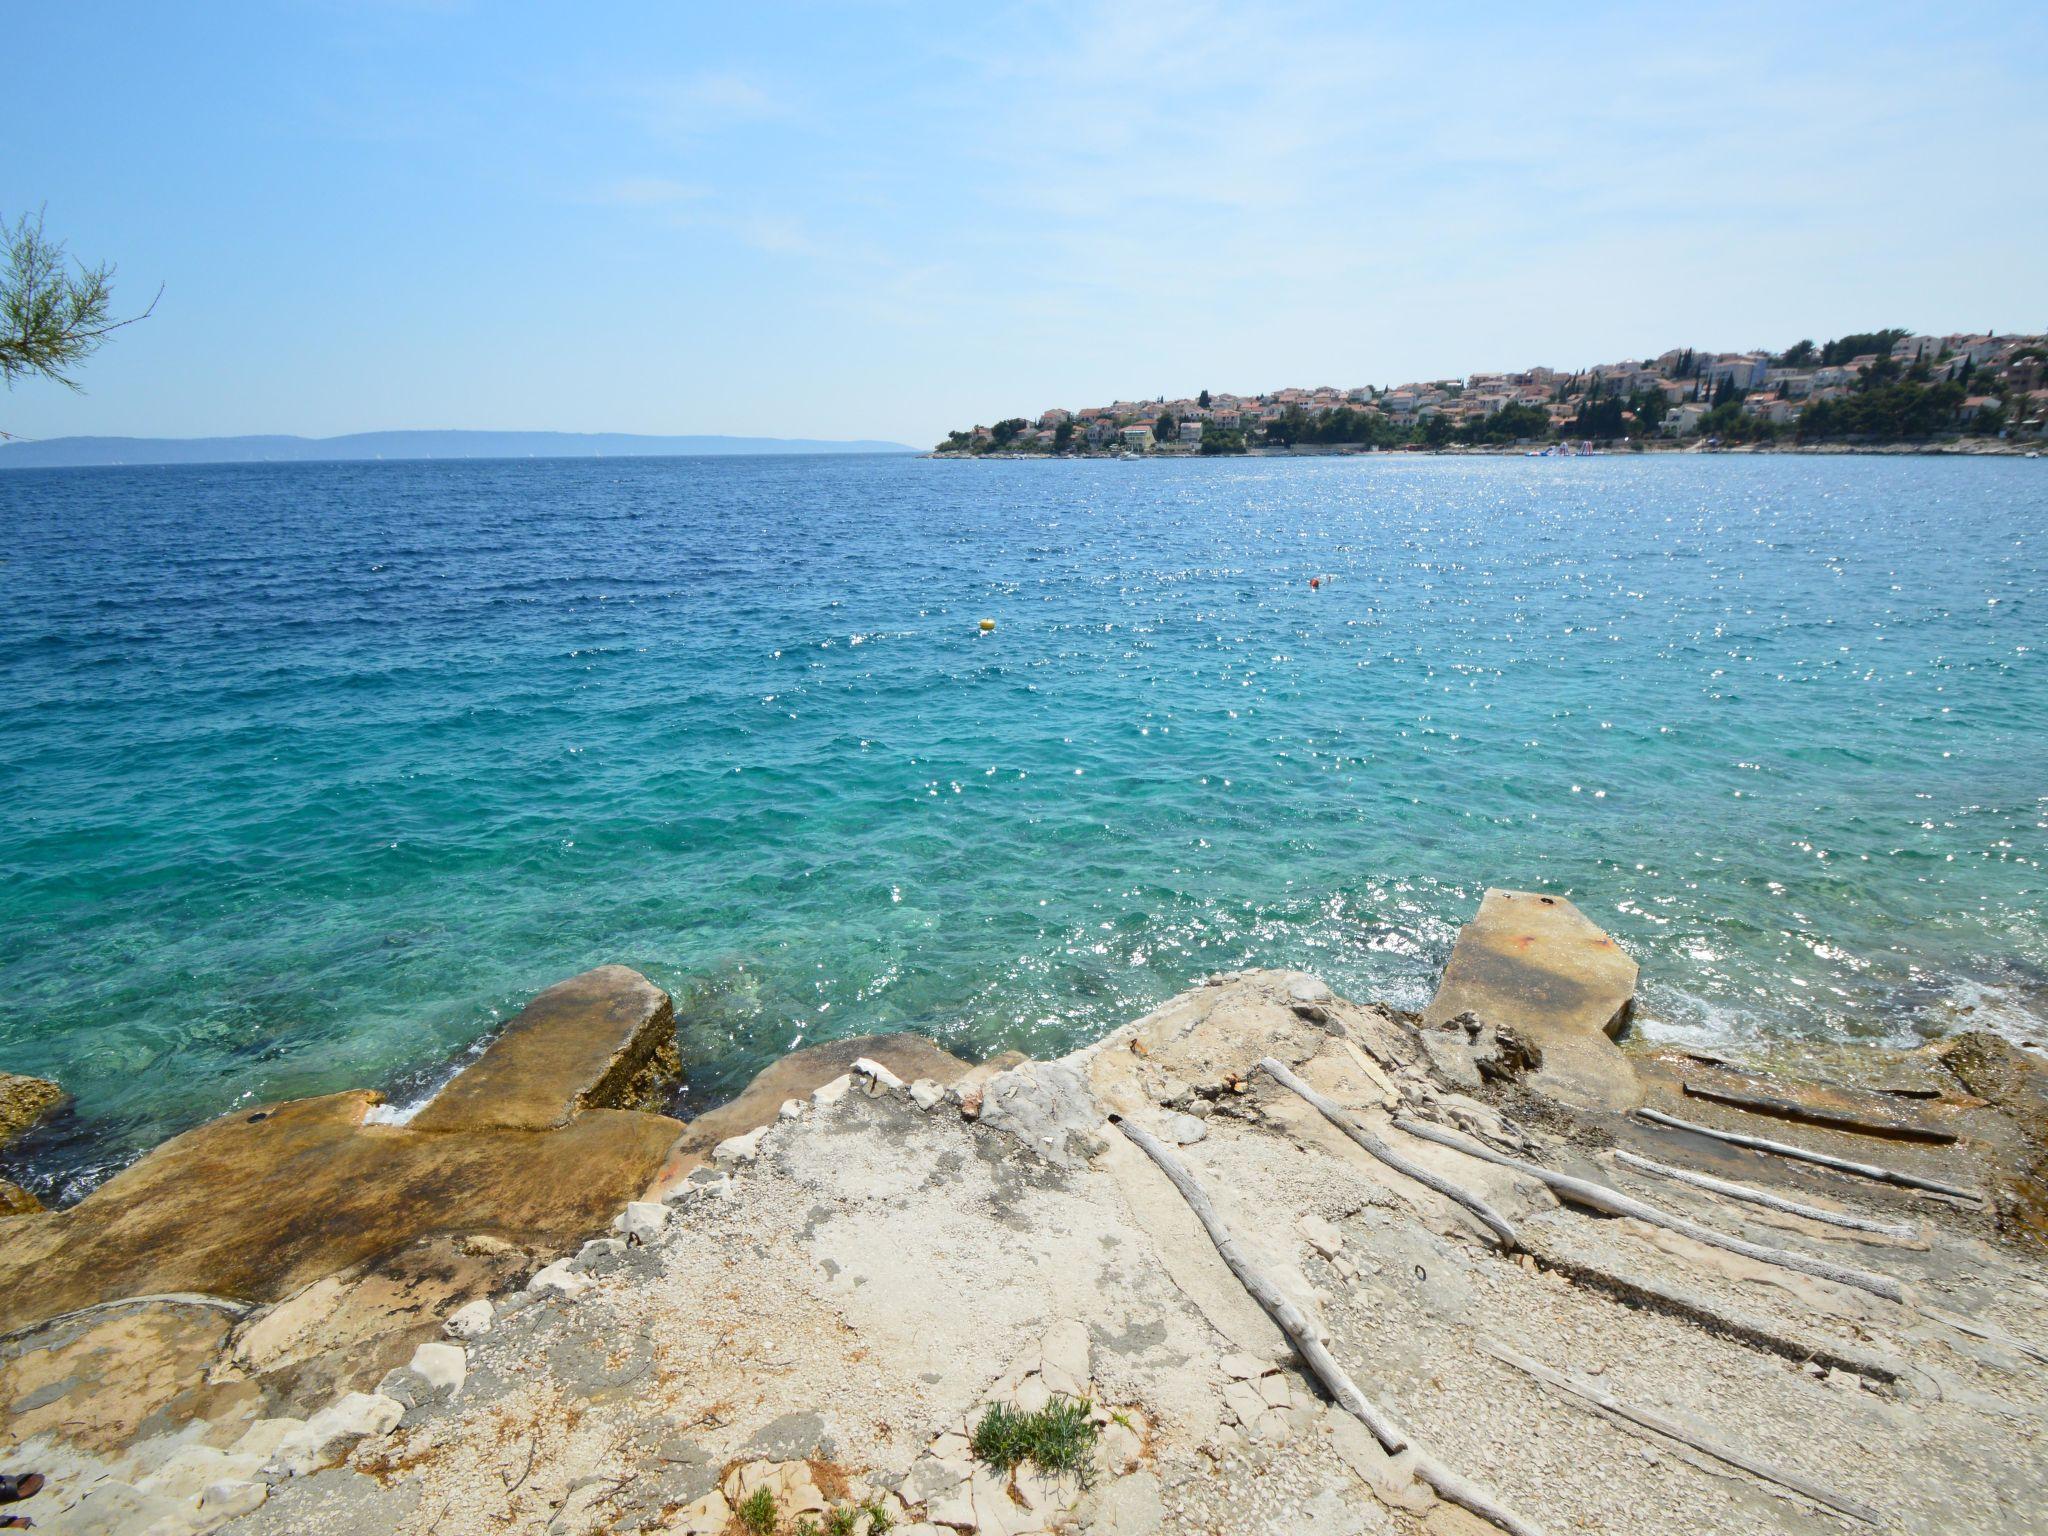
x=472 y=1320
x=443 y=1365
x=558 y=1279
x=736 y=1150
x=641 y=1222
x=327 y=1437
x=881 y=1078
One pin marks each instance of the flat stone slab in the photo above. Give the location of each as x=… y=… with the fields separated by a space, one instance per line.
x=602 y=1040
x=1538 y=965
x=259 y=1203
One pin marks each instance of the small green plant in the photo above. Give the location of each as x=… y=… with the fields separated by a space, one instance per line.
x=842 y=1520
x=1057 y=1438
x=757 y=1513
x=880 y=1521
x=805 y=1527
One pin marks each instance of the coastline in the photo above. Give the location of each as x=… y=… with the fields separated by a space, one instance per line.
x=1956 y=448
x=834 y=1280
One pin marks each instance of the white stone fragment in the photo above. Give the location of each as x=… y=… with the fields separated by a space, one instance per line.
x=471 y=1320
x=739 y=1149
x=443 y=1365
x=792 y=1109
x=641 y=1222
x=877 y=1074
x=1185 y=1130
x=832 y=1092
x=326 y=1437
x=1307 y=989
x=925 y=1094
x=558 y=1279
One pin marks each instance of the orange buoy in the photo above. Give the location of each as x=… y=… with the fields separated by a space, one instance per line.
x=988 y=626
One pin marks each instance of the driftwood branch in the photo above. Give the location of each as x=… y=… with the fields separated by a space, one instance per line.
x=1334 y=1113
x=1801 y=1154
x=1310 y=1346
x=1613 y=1202
x=1760 y=1197
x=1590 y=1393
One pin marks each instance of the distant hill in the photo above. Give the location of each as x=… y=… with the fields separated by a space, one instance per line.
x=62 y=452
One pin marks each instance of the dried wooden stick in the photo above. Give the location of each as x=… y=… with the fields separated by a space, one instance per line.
x=1663 y=1426
x=1310 y=1347
x=1801 y=1154
x=1762 y=1198
x=1334 y=1113
x=1614 y=1203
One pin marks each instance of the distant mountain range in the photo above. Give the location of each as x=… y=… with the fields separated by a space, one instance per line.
x=63 y=452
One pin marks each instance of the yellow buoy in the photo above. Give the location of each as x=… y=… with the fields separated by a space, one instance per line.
x=988 y=626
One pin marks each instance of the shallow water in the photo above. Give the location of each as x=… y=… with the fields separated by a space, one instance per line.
x=312 y=773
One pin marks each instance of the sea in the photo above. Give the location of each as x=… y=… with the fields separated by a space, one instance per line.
x=311 y=774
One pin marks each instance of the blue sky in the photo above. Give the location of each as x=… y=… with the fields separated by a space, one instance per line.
x=885 y=220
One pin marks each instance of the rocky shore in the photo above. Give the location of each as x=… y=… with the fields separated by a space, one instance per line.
x=1265 y=1260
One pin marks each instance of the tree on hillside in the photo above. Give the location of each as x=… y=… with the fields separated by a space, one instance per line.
x=52 y=317
x=1203 y=399
x=1844 y=348
x=1799 y=355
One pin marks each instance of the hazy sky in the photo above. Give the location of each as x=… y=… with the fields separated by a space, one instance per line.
x=885 y=220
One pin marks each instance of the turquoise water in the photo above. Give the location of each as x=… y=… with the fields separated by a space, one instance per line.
x=312 y=774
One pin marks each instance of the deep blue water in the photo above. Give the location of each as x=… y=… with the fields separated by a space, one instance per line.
x=313 y=773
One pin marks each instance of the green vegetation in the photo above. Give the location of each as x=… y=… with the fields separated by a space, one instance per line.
x=1060 y=1437
x=1887 y=412
x=1732 y=424
x=1063 y=437
x=1509 y=424
x=51 y=316
x=1217 y=439
x=756 y=1513
x=844 y=1520
x=1847 y=347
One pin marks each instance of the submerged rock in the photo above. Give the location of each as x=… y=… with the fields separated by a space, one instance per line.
x=24 y=1102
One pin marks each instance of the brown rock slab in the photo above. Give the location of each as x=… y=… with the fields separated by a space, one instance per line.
x=23 y=1102
x=602 y=1040
x=262 y=1203
x=1538 y=965
x=99 y=1378
x=16 y=1201
x=2014 y=1083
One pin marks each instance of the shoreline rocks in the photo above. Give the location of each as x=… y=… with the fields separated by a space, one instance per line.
x=824 y=1292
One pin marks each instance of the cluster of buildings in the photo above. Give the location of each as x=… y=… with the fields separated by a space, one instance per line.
x=2000 y=372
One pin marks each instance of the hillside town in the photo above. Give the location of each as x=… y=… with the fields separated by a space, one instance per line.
x=1877 y=387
